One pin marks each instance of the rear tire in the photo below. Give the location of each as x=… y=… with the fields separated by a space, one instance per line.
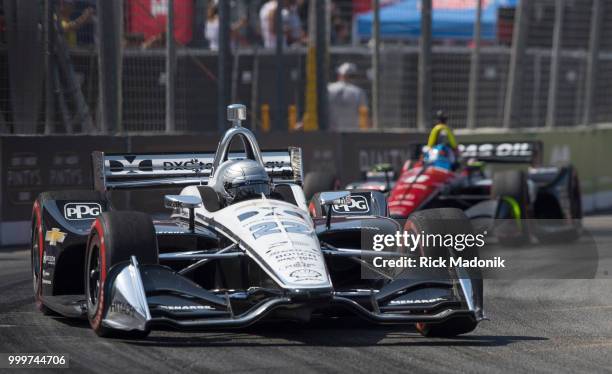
x=36 y=261
x=446 y=221
x=38 y=232
x=114 y=238
x=317 y=181
x=511 y=190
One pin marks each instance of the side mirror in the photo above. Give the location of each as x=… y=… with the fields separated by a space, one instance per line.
x=184 y=201
x=331 y=198
x=385 y=168
x=334 y=197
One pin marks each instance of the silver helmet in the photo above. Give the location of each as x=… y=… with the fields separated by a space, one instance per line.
x=244 y=179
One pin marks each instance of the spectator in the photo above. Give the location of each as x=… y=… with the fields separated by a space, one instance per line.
x=146 y=22
x=341 y=25
x=266 y=18
x=346 y=100
x=293 y=23
x=70 y=27
x=212 y=28
x=211 y=32
x=293 y=32
x=155 y=41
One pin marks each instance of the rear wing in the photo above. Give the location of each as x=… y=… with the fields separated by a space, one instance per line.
x=128 y=171
x=513 y=152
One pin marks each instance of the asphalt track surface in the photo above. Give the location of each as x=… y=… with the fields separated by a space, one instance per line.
x=536 y=326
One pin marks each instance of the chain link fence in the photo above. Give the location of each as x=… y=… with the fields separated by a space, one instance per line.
x=565 y=52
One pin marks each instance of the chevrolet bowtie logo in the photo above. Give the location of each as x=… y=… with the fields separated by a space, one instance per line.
x=55 y=236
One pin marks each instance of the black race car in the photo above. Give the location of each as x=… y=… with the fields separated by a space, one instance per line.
x=217 y=263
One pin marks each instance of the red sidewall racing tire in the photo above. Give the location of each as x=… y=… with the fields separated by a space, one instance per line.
x=37 y=254
x=437 y=221
x=114 y=238
x=38 y=246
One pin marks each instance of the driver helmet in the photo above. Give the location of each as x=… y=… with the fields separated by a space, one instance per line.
x=244 y=179
x=441 y=156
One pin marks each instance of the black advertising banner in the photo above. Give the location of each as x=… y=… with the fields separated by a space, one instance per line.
x=34 y=164
x=320 y=150
x=361 y=151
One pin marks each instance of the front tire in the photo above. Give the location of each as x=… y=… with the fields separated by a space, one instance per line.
x=114 y=238
x=574 y=229
x=446 y=221
x=512 y=192
x=448 y=329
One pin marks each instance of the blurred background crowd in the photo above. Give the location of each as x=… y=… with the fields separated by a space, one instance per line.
x=252 y=22
x=90 y=66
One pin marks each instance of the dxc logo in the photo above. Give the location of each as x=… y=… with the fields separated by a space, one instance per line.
x=77 y=211
x=193 y=164
x=130 y=164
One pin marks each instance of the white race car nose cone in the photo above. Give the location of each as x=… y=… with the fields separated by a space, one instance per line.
x=280 y=238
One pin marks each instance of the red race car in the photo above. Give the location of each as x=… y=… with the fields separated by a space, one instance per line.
x=448 y=174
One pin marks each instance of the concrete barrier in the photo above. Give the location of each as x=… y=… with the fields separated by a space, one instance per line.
x=32 y=164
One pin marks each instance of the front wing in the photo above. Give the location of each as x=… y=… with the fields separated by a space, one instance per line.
x=144 y=297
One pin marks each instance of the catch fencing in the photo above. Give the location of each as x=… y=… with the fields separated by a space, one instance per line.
x=541 y=63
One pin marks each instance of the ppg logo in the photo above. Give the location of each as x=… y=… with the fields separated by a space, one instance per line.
x=77 y=211
x=356 y=205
